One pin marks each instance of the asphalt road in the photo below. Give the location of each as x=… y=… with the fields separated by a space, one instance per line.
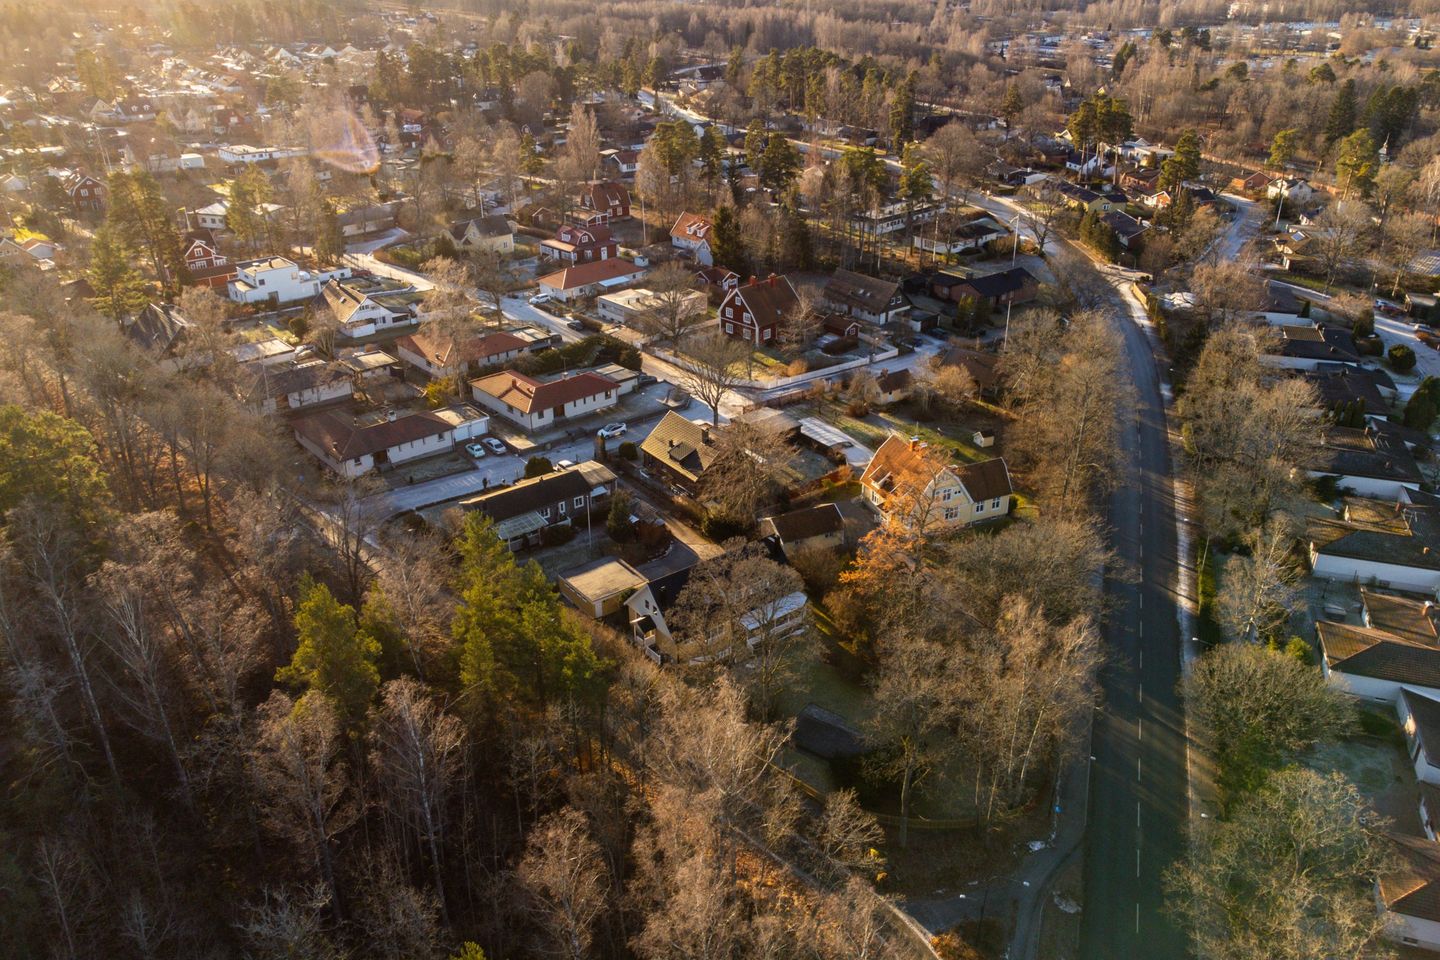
x=1138 y=806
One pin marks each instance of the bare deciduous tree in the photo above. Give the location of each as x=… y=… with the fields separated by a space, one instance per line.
x=671 y=313
x=567 y=882
x=713 y=366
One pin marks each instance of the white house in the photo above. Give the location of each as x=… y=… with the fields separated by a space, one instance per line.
x=590 y=279
x=1292 y=189
x=535 y=404
x=280 y=279
x=691 y=233
x=1408 y=892
x=1420 y=719
x=296 y=387
x=903 y=479
x=352 y=449
x=240 y=153
x=631 y=306
x=366 y=309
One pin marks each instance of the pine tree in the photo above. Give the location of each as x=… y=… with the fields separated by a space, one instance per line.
x=333 y=656
x=329 y=238
x=727 y=245
x=119 y=288
x=1356 y=163
x=1012 y=106
x=1341 y=121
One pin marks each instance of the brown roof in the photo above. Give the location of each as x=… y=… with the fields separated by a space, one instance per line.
x=442 y=349
x=343 y=300
x=986 y=480
x=681 y=445
x=768 y=300
x=1367 y=652
x=1411 y=885
x=807 y=522
x=1412 y=620
x=859 y=292
x=691 y=226
x=597 y=271
x=528 y=395
x=607 y=194
x=984 y=368
x=343 y=439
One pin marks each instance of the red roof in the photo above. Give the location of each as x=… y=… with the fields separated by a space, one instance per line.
x=597 y=271
x=529 y=395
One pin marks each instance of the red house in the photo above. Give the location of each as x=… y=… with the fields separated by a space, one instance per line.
x=574 y=244
x=203 y=263
x=755 y=310
x=87 y=193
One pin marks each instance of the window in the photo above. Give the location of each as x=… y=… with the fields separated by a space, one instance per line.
x=996 y=504
x=980 y=507
x=607 y=394
x=545 y=513
x=768 y=332
x=952 y=513
x=579 y=502
x=730 y=312
x=561 y=505
x=729 y=328
x=945 y=497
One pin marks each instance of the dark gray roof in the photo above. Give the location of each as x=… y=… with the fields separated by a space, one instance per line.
x=807 y=522
x=530 y=495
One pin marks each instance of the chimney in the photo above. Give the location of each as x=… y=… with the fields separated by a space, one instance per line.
x=390 y=415
x=752 y=280
x=771 y=279
x=705 y=433
x=917 y=444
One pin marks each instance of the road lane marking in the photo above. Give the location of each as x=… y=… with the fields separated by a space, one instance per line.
x=1137 y=768
x=1141 y=599
x=1137 y=916
x=1140 y=728
x=1137 y=860
x=1137 y=818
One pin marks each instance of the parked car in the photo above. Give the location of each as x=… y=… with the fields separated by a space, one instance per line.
x=476 y=450
x=645 y=379
x=495 y=445
x=540 y=298
x=611 y=430
x=575 y=325
x=564 y=464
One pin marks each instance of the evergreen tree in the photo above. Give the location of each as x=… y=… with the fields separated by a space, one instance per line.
x=727 y=244
x=779 y=164
x=333 y=655
x=902 y=115
x=119 y=288
x=1012 y=106
x=756 y=140
x=1341 y=121
x=1282 y=148
x=799 y=243
x=1183 y=165
x=1356 y=162
x=712 y=155
x=329 y=238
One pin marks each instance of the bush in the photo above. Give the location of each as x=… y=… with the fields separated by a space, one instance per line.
x=538 y=467
x=1364 y=326
x=627 y=450
x=1402 y=358
x=299 y=325
x=556 y=534
x=629 y=358
x=617 y=521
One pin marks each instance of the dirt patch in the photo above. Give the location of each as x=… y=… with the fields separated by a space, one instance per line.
x=1378 y=768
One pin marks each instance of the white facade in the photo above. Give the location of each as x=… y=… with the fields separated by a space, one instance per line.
x=1372 y=487
x=1426 y=770
x=1412 y=931
x=1393 y=575
x=256 y=281
x=1370 y=688
x=240 y=153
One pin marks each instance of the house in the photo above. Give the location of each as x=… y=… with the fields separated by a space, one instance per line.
x=1376 y=665
x=971 y=234
x=574 y=244
x=753 y=312
x=535 y=404
x=365 y=219
x=893 y=217
x=598 y=589
x=1256 y=184
x=158 y=329
x=1307 y=346
x=906 y=483
x=984 y=368
x=86 y=193
x=297 y=387
x=590 y=279
x=1015 y=285
x=1293 y=189
x=439 y=355
x=559 y=498
x=202 y=263
x=1420 y=719
x=839 y=325
x=865 y=298
x=243 y=155
x=279 y=280
x=893 y=386
x=1408 y=891
x=626 y=163
x=1090 y=201
x=1369 y=461
x=492 y=234
x=352 y=449
x=679 y=449
x=691 y=233
x=1127 y=228
x=364 y=308
x=608 y=200
x=1392 y=543
x=717 y=279
x=809 y=528
x=1142 y=180
x=630 y=307
x=649 y=607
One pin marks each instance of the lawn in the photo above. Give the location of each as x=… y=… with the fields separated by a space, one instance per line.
x=953 y=436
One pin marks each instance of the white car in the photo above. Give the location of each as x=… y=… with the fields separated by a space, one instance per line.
x=611 y=430
x=475 y=450
x=564 y=464
x=539 y=298
x=495 y=445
